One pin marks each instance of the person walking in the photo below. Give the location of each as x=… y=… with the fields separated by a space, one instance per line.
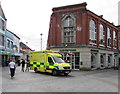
x=12 y=67
x=23 y=64
x=27 y=65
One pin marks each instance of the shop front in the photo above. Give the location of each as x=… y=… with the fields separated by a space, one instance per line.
x=87 y=58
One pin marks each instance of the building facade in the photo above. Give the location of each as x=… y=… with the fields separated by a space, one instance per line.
x=12 y=47
x=25 y=51
x=2 y=35
x=91 y=39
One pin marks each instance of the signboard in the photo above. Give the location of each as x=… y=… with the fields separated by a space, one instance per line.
x=68 y=50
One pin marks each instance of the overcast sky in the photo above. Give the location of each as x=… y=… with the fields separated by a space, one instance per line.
x=29 y=18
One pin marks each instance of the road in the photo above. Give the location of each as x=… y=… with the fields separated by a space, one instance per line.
x=77 y=81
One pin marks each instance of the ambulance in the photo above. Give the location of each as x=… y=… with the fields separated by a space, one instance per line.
x=49 y=61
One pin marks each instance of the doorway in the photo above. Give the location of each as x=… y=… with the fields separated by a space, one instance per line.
x=73 y=59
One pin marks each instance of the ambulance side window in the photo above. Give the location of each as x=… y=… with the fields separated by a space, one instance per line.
x=50 y=60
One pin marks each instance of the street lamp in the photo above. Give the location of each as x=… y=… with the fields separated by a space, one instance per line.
x=41 y=40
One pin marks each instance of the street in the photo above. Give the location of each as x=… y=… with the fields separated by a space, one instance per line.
x=78 y=81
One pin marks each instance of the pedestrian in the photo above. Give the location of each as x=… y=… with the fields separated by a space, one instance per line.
x=12 y=67
x=18 y=61
x=23 y=64
x=27 y=65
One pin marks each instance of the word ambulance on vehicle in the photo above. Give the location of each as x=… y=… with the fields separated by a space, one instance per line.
x=49 y=61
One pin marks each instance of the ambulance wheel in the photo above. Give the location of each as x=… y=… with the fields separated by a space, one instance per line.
x=35 y=69
x=66 y=74
x=54 y=72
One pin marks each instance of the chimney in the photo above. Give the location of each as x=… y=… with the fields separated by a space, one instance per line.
x=101 y=16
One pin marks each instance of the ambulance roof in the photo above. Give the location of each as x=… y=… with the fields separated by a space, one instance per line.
x=45 y=51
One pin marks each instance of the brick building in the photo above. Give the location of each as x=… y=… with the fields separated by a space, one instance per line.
x=92 y=40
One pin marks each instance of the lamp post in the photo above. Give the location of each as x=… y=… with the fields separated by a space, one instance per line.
x=41 y=40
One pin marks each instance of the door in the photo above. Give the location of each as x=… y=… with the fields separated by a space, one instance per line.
x=73 y=60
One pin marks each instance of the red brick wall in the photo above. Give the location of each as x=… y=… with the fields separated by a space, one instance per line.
x=83 y=18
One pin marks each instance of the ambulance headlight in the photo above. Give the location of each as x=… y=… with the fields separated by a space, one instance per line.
x=60 y=67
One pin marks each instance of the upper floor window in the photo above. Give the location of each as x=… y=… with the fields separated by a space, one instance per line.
x=11 y=45
x=114 y=39
x=8 y=43
x=2 y=24
x=101 y=35
x=92 y=31
x=68 y=29
x=109 y=38
x=2 y=40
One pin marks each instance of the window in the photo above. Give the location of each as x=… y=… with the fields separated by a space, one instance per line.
x=2 y=40
x=109 y=60
x=50 y=60
x=114 y=39
x=8 y=43
x=92 y=32
x=101 y=35
x=68 y=29
x=58 y=60
x=1 y=24
x=109 y=37
x=11 y=45
x=102 y=60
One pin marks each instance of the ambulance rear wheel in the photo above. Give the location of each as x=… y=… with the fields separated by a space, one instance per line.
x=35 y=69
x=54 y=72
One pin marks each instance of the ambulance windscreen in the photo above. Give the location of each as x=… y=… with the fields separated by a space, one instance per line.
x=58 y=60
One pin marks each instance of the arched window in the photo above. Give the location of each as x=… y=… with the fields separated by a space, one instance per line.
x=92 y=31
x=114 y=39
x=101 y=35
x=68 y=33
x=109 y=37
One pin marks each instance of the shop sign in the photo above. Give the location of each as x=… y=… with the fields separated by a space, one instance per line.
x=68 y=50
x=94 y=50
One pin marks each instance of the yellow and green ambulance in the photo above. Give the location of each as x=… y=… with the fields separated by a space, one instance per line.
x=49 y=61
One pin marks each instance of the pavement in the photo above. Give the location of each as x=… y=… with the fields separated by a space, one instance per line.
x=78 y=81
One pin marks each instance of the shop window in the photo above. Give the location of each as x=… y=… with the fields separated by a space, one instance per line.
x=102 y=60
x=92 y=32
x=93 y=60
x=109 y=60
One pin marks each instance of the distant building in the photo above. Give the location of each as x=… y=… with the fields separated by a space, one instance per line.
x=119 y=45
x=92 y=40
x=25 y=51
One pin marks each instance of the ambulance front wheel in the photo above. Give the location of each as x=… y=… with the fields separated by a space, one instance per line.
x=35 y=69
x=66 y=74
x=54 y=72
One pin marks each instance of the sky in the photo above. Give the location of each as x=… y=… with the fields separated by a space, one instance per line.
x=29 y=18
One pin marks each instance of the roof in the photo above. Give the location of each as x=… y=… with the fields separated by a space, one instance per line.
x=2 y=12
x=70 y=6
x=13 y=34
x=24 y=46
x=79 y=6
